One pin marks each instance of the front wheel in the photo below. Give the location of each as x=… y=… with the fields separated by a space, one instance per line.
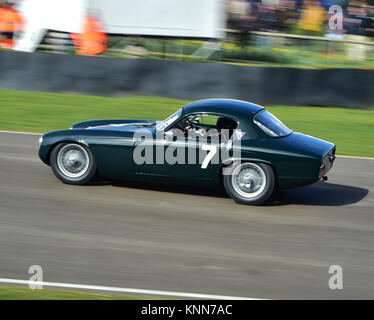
x=73 y=163
x=249 y=183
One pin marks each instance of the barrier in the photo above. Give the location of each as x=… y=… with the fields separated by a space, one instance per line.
x=346 y=87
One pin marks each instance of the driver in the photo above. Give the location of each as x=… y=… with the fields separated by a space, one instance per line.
x=195 y=131
x=192 y=131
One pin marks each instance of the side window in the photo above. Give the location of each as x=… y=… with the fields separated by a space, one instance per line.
x=209 y=120
x=201 y=124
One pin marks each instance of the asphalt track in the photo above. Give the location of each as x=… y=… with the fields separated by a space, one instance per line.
x=181 y=239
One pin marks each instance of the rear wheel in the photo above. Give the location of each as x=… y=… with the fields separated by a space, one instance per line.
x=73 y=163
x=249 y=183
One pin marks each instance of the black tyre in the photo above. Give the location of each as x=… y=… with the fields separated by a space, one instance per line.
x=73 y=163
x=249 y=183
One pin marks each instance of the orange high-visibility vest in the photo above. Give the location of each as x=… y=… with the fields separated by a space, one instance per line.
x=93 y=38
x=10 y=20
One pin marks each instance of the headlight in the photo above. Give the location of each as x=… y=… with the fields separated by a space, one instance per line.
x=40 y=141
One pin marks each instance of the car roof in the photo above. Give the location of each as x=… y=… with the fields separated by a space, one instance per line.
x=229 y=107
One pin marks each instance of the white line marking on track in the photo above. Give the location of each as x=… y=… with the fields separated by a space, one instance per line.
x=354 y=157
x=126 y=290
x=39 y=134
x=20 y=132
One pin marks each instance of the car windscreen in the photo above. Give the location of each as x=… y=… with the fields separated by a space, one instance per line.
x=270 y=124
x=169 y=120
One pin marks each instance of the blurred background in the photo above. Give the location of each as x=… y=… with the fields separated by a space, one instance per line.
x=308 y=62
x=314 y=33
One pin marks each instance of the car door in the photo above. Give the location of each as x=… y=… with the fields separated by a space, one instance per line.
x=182 y=158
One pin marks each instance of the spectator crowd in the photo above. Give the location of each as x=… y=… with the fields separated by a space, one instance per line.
x=309 y=17
x=303 y=17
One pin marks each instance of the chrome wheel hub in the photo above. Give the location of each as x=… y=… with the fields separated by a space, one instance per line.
x=248 y=180
x=73 y=160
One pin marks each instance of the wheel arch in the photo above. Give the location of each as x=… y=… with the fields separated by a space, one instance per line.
x=64 y=140
x=229 y=161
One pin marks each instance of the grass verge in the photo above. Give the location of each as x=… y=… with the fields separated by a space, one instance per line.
x=352 y=130
x=25 y=293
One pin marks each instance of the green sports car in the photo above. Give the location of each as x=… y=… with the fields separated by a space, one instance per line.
x=215 y=141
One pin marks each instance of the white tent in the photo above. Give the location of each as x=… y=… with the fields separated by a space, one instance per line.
x=165 y=18
x=43 y=15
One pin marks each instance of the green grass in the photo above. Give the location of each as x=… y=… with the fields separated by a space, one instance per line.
x=352 y=130
x=43 y=111
x=24 y=293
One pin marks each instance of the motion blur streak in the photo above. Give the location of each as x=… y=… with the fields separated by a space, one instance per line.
x=174 y=239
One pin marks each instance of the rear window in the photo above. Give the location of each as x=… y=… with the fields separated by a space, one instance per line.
x=271 y=124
